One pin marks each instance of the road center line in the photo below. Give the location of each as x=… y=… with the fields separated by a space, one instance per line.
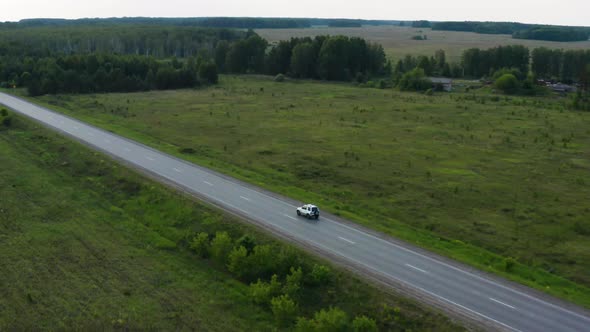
x=346 y=240
x=502 y=303
x=290 y=217
x=127 y=149
x=149 y=158
x=177 y=170
x=245 y=198
x=208 y=183
x=416 y=268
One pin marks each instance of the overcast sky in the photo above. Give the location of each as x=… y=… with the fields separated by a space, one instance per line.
x=564 y=12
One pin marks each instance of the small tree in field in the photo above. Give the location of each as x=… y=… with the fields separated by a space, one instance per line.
x=364 y=324
x=238 y=261
x=221 y=247
x=293 y=282
x=284 y=310
x=200 y=245
x=261 y=292
x=507 y=83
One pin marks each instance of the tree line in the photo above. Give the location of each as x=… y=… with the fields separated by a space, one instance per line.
x=519 y=30
x=478 y=63
x=567 y=66
x=90 y=73
x=207 y=22
x=323 y=57
x=155 y=41
x=570 y=66
x=553 y=34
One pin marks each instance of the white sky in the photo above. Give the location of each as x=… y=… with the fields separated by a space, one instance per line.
x=564 y=12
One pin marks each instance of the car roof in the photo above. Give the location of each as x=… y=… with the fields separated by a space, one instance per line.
x=310 y=205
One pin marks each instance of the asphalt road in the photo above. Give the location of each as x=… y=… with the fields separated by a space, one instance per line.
x=490 y=300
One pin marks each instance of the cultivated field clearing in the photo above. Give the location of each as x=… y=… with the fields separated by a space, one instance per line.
x=397 y=41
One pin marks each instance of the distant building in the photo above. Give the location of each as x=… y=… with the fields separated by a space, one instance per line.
x=441 y=83
x=560 y=87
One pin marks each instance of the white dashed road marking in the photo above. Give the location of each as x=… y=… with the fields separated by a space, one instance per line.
x=346 y=240
x=502 y=303
x=416 y=268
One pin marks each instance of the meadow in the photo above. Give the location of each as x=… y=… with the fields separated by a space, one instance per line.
x=397 y=41
x=87 y=244
x=494 y=181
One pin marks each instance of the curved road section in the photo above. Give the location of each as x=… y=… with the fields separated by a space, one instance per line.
x=492 y=302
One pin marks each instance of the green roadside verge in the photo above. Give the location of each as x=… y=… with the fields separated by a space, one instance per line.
x=87 y=244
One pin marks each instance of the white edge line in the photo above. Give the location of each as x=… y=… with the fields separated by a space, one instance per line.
x=416 y=268
x=502 y=303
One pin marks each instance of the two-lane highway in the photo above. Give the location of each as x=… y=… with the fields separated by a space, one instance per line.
x=492 y=301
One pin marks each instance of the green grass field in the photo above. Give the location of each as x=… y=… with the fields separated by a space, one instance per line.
x=397 y=41
x=88 y=245
x=474 y=176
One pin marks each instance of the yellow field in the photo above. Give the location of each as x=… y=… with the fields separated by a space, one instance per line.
x=397 y=40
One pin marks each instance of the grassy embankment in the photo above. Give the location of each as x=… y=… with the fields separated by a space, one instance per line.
x=397 y=41
x=473 y=176
x=86 y=244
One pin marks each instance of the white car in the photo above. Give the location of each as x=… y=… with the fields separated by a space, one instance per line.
x=308 y=210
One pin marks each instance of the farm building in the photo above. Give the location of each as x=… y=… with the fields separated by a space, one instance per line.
x=441 y=83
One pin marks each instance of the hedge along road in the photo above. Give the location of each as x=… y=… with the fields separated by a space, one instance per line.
x=493 y=302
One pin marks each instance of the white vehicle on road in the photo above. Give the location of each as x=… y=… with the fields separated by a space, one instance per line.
x=309 y=210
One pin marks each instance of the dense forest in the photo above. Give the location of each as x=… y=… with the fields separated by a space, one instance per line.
x=206 y=22
x=324 y=57
x=518 y=30
x=116 y=58
x=478 y=63
x=553 y=34
x=566 y=66
x=141 y=40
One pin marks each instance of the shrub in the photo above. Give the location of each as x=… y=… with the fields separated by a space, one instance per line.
x=507 y=83
x=238 y=262
x=261 y=292
x=509 y=264
x=284 y=310
x=200 y=245
x=208 y=73
x=293 y=282
x=221 y=247
x=320 y=275
x=364 y=324
x=7 y=121
x=414 y=80
x=4 y=112
x=247 y=242
x=332 y=319
x=264 y=261
x=279 y=78
x=514 y=71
